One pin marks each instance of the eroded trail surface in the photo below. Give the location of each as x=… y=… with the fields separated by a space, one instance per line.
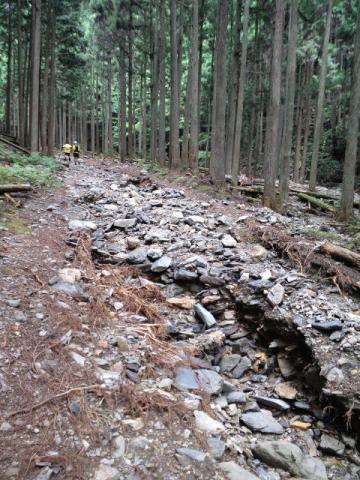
x=146 y=335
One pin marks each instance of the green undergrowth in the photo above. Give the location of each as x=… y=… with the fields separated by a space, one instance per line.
x=38 y=170
x=322 y=235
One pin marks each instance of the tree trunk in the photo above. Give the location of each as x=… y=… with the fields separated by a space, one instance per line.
x=186 y=128
x=174 y=131
x=289 y=108
x=122 y=86
x=273 y=112
x=217 y=160
x=52 y=93
x=347 y=197
x=240 y=99
x=320 y=101
x=194 y=90
x=154 y=90
x=233 y=89
x=35 y=74
x=162 y=84
x=45 y=86
x=21 y=99
x=8 y=100
x=130 y=84
x=108 y=137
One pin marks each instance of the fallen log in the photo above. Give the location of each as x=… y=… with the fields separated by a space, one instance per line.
x=258 y=189
x=15 y=187
x=14 y=145
x=340 y=253
x=315 y=202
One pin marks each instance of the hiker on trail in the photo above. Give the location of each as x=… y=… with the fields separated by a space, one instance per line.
x=76 y=150
x=67 y=151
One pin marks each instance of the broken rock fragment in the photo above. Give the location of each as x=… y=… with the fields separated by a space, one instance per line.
x=276 y=294
x=262 y=421
x=204 y=315
x=201 y=379
x=207 y=424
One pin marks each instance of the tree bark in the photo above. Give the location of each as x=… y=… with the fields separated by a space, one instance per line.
x=130 y=84
x=240 y=98
x=233 y=89
x=52 y=92
x=8 y=100
x=21 y=99
x=217 y=160
x=45 y=85
x=320 y=101
x=194 y=90
x=162 y=86
x=154 y=90
x=122 y=86
x=174 y=131
x=273 y=112
x=35 y=74
x=289 y=108
x=347 y=197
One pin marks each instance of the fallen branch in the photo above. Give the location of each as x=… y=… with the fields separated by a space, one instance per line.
x=315 y=202
x=341 y=253
x=15 y=187
x=12 y=200
x=54 y=397
x=14 y=145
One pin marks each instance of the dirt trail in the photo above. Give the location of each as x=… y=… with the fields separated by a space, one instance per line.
x=167 y=316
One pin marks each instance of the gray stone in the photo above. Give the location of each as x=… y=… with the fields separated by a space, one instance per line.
x=14 y=303
x=105 y=472
x=125 y=223
x=119 y=445
x=20 y=317
x=188 y=379
x=45 y=474
x=212 y=280
x=162 y=264
x=82 y=225
x=154 y=253
x=273 y=403
x=233 y=471
x=329 y=326
x=287 y=369
x=207 y=424
x=262 y=421
x=331 y=445
x=72 y=289
x=229 y=362
x=196 y=455
x=241 y=368
x=205 y=315
x=276 y=294
x=236 y=397
x=228 y=241
x=137 y=256
x=217 y=447
x=185 y=275
x=289 y=457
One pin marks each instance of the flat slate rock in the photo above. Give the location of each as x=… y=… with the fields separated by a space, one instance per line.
x=162 y=264
x=201 y=379
x=273 y=403
x=262 y=421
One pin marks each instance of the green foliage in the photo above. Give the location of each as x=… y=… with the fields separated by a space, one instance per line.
x=322 y=235
x=36 y=169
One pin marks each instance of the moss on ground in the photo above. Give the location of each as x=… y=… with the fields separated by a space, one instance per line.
x=322 y=235
x=36 y=169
